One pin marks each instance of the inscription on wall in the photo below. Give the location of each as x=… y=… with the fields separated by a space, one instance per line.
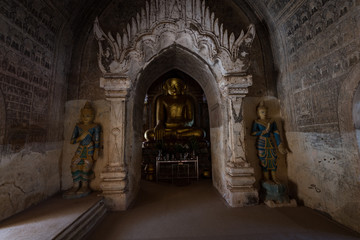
x=322 y=44
x=322 y=47
x=27 y=50
x=318 y=28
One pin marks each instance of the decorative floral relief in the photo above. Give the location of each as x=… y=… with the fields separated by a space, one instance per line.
x=189 y=24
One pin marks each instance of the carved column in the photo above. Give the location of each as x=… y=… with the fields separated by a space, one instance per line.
x=239 y=174
x=114 y=176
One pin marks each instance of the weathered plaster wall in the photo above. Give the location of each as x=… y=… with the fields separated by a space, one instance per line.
x=32 y=83
x=28 y=177
x=317 y=46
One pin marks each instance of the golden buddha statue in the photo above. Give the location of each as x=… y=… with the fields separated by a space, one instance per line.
x=174 y=114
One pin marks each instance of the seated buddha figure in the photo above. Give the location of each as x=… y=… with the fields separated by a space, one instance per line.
x=174 y=114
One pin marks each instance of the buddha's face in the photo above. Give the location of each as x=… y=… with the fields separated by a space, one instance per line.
x=87 y=117
x=262 y=113
x=174 y=87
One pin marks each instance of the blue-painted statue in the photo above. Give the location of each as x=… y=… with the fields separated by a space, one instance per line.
x=87 y=134
x=263 y=127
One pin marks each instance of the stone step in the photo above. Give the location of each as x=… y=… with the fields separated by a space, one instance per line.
x=84 y=223
x=55 y=218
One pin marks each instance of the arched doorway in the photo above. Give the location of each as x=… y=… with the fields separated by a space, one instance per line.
x=206 y=52
x=179 y=58
x=194 y=150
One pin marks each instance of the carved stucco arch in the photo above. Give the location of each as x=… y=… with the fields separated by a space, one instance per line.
x=194 y=28
x=189 y=39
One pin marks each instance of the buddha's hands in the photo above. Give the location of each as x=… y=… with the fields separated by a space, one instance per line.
x=267 y=130
x=159 y=132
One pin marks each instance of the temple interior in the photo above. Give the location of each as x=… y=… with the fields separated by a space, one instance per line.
x=259 y=98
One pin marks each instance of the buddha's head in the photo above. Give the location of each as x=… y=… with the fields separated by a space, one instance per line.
x=261 y=110
x=174 y=86
x=87 y=114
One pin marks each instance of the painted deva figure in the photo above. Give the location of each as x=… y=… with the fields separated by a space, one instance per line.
x=263 y=128
x=87 y=134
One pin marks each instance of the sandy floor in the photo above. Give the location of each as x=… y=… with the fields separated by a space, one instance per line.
x=196 y=211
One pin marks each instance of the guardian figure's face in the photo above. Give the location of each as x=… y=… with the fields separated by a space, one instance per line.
x=87 y=116
x=262 y=113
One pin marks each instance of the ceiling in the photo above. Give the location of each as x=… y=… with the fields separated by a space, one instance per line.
x=80 y=14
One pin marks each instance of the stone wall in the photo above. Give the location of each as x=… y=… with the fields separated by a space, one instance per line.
x=318 y=49
x=28 y=177
x=32 y=84
x=27 y=44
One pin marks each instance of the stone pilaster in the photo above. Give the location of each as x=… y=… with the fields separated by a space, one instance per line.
x=114 y=176
x=239 y=174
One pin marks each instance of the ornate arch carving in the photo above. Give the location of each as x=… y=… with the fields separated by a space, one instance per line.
x=163 y=23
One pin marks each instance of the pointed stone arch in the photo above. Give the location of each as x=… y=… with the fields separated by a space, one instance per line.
x=169 y=59
x=167 y=39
